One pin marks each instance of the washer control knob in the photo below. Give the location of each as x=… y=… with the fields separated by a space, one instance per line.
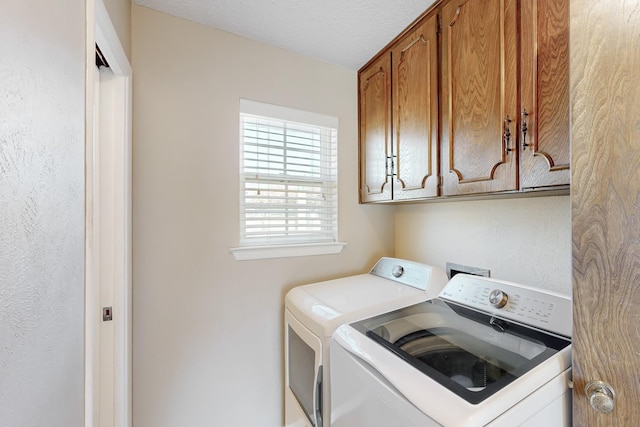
x=601 y=396
x=498 y=299
x=397 y=271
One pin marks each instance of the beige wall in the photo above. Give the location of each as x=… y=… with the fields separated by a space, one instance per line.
x=522 y=240
x=207 y=328
x=120 y=14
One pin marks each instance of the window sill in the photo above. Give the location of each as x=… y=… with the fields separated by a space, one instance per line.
x=281 y=251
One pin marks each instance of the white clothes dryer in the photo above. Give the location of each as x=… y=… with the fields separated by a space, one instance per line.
x=313 y=312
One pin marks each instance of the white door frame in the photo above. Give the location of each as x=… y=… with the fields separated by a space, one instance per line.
x=108 y=345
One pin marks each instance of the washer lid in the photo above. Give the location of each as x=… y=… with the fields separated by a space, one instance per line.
x=547 y=381
x=472 y=354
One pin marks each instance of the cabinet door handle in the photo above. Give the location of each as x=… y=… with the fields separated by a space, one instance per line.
x=524 y=129
x=507 y=135
x=390 y=166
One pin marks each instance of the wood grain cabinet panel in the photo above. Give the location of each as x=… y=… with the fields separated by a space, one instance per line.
x=479 y=88
x=398 y=109
x=544 y=119
x=414 y=74
x=375 y=131
x=472 y=99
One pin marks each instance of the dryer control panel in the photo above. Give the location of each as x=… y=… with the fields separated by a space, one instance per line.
x=408 y=273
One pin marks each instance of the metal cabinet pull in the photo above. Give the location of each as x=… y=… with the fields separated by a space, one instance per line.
x=525 y=115
x=507 y=135
x=389 y=166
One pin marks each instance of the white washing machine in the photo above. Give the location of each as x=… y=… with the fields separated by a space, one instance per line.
x=313 y=312
x=484 y=353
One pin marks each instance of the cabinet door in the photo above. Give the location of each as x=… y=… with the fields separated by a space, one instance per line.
x=375 y=131
x=415 y=112
x=479 y=90
x=544 y=128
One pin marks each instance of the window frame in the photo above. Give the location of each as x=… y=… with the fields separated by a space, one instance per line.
x=284 y=246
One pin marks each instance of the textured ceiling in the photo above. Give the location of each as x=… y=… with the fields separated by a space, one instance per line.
x=342 y=32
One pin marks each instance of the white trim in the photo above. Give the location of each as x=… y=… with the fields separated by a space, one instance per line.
x=109 y=42
x=92 y=264
x=115 y=253
x=280 y=251
x=108 y=227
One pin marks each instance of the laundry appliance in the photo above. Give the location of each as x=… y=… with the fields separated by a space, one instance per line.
x=313 y=312
x=484 y=353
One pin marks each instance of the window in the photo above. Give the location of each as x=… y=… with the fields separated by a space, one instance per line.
x=288 y=177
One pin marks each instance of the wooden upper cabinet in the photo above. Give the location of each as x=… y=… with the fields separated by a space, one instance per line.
x=375 y=130
x=544 y=128
x=473 y=98
x=414 y=91
x=480 y=96
x=399 y=119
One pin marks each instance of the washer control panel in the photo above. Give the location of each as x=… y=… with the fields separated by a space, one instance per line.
x=530 y=306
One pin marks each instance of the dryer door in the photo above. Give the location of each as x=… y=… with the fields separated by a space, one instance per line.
x=303 y=367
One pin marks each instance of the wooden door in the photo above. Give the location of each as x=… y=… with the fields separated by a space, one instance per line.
x=544 y=110
x=415 y=112
x=375 y=131
x=605 y=195
x=479 y=74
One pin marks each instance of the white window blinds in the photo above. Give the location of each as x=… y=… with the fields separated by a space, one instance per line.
x=288 y=176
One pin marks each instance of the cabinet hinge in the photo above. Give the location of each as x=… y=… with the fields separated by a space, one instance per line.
x=440 y=181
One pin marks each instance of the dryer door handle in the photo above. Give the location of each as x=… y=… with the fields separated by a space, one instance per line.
x=318 y=399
